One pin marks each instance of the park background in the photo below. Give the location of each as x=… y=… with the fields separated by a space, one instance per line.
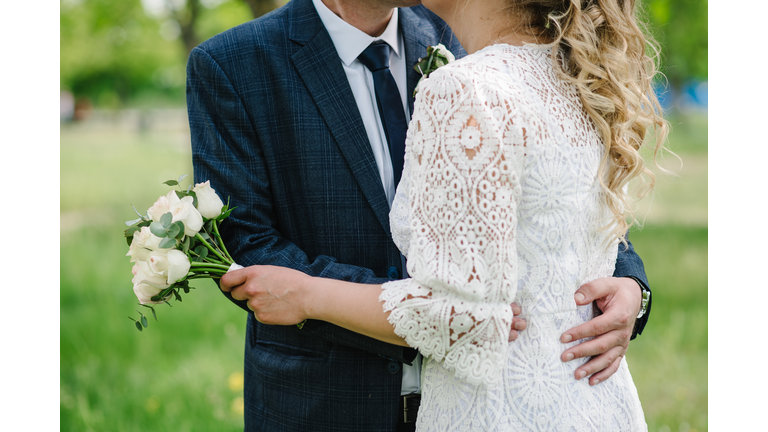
x=123 y=132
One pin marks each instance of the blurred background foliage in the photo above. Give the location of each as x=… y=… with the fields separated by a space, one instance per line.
x=123 y=69
x=133 y=52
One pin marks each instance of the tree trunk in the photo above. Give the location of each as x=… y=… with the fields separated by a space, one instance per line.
x=260 y=7
x=187 y=19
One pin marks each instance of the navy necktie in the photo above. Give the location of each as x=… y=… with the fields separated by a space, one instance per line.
x=376 y=59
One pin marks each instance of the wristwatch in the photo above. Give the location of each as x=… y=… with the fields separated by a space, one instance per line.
x=644 y=301
x=645 y=307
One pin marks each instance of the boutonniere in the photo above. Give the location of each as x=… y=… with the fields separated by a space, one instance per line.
x=437 y=56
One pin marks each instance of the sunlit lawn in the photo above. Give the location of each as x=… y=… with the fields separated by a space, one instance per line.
x=183 y=373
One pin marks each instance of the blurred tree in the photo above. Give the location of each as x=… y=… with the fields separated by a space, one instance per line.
x=680 y=26
x=116 y=52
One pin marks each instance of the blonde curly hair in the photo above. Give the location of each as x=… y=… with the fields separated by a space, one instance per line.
x=600 y=47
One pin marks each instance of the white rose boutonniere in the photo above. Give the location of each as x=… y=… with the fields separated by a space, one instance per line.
x=437 y=56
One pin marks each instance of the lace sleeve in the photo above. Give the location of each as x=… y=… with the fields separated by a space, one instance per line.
x=466 y=144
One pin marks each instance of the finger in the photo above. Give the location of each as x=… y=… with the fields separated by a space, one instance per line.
x=232 y=279
x=513 y=334
x=239 y=293
x=516 y=310
x=596 y=326
x=605 y=373
x=594 y=347
x=591 y=291
x=519 y=324
x=599 y=363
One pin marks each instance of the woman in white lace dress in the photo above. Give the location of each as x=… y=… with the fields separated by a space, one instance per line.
x=517 y=158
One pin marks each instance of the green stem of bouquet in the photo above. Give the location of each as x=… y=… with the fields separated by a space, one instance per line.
x=212 y=249
x=208 y=265
x=221 y=241
x=208 y=258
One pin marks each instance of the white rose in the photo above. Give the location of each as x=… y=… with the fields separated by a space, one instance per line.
x=444 y=51
x=156 y=264
x=160 y=207
x=169 y=264
x=208 y=203
x=184 y=210
x=178 y=265
x=142 y=244
x=146 y=286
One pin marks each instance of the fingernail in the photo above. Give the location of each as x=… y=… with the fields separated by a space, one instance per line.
x=567 y=338
x=569 y=357
x=580 y=297
x=595 y=382
x=582 y=374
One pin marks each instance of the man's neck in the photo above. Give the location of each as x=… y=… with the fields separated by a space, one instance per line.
x=369 y=16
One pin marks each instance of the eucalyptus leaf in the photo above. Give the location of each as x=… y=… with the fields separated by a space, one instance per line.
x=137 y=212
x=158 y=229
x=131 y=222
x=166 y=219
x=178 y=297
x=205 y=236
x=171 y=182
x=138 y=326
x=129 y=240
x=179 y=224
x=173 y=231
x=193 y=194
x=153 y=313
x=145 y=223
x=167 y=243
x=144 y=320
x=185 y=245
x=182 y=177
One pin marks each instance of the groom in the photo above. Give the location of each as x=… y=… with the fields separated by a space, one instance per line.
x=285 y=121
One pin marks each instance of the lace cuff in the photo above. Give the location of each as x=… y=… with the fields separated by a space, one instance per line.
x=470 y=339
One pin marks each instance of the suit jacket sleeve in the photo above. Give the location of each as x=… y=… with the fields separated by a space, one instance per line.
x=629 y=264
x=226 y=150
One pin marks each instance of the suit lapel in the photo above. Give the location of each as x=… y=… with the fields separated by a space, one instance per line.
x=319 y=67
x=417 y=39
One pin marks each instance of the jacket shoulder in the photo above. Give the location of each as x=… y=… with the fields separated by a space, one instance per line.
x=268 y=30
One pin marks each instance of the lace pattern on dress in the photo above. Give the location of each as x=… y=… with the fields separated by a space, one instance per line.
x=499 y=202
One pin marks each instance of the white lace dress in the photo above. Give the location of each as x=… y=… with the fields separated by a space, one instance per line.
x=499 y=203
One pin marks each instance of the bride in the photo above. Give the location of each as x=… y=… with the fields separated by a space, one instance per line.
x=517 y=158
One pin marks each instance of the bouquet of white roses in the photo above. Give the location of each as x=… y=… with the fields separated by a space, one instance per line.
x=176 y=241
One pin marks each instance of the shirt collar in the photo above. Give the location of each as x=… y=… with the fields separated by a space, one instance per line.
x=350 y=41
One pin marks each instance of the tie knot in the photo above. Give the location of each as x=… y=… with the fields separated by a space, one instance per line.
x=375 y=57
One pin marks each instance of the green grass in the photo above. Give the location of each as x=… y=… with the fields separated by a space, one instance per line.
x=183 y=373
x=669 y=360
x=173 y=376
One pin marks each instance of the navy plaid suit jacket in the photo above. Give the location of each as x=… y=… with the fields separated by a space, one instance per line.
x=275 y=128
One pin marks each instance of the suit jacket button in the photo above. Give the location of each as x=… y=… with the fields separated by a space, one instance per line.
x=393 y=367
x=392 y=273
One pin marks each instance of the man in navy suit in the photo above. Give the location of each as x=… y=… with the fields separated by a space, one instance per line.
x=284 y=122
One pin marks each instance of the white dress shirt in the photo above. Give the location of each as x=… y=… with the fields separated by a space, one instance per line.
x=350 y=42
